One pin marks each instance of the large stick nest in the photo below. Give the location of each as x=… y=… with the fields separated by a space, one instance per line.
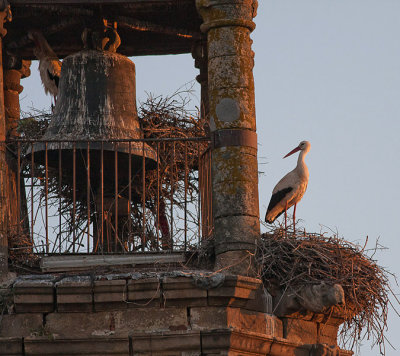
x=303 y=259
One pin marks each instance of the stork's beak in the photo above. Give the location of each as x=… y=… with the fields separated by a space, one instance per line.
x=293 y=151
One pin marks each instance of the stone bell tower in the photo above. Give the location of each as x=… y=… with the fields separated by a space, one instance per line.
x=166 y=306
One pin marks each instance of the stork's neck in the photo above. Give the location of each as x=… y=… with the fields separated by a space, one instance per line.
x=301 y=164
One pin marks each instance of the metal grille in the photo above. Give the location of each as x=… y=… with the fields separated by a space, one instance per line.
x=93 y=199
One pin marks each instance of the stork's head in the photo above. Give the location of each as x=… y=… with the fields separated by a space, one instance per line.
x=303 y=146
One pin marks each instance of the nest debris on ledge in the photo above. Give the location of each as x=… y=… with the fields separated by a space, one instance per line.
x=291 y=262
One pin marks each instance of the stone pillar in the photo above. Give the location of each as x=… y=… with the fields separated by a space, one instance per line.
x=199 y=54
x=5 y=14
x=228 y=24
x=12 y=89
x=14 y=69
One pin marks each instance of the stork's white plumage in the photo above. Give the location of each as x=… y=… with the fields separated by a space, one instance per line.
x=49 y=64
x=291 y=188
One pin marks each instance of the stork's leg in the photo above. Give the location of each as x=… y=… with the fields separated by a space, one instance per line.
x=286 y=219
x=294 y=219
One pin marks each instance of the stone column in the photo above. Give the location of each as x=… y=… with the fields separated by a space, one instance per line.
x=199 y=54
x=228 y=24
x=14 y=69
x=5 y=14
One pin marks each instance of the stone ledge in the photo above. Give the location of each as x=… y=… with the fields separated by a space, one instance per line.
x=118 y=323
x=310 y=332
x=44 y=294
x=206 y=318
x=74 y=294
x=11 y=346
x=187 y=342
x=43 y=345
x=20 y=325
x=110 y=294
x=33 y=296
x=250 y=343
x=235 y=291
x=144 y=292
x=181 y=291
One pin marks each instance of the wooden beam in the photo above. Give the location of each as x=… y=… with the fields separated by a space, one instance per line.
x=88 y=2
x=81 y=262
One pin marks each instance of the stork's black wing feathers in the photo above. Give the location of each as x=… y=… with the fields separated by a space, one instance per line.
x=277 y=197
x=56 y=78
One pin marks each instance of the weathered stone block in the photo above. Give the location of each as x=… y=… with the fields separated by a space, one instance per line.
x=246 y=105
x=232 y=342
x=181 y=343
x=182 y=291
x=20 y=325
x=11 y=346
x=75 y=294
x=118 y=323
x=225 y=48
x=243 y=201
x=96 y=346
x=32 y=296
x=143 y=292
x=204 y=318
x=327 y=334
x=234 y=163
x=252 y=342
x=230 y=234
x=235 y=291
x=110 y=295
x=300 y=331
x=235 y=70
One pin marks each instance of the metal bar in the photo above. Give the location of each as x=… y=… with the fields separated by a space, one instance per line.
x=88 y=195
x=32 y=168
x=73 y=195
x=18 y=188
x=162 y=139
x=46 y=185
x=186 y=187
x=129 y=193
x=198 y=199
x=158 y=197
x=143 y=198
x=172 y=196
x=79 y=2
x=59 y=196
x=102 y=196
x=116 y=194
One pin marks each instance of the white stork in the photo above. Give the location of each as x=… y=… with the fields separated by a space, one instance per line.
x=49 y=64
x=291 y=188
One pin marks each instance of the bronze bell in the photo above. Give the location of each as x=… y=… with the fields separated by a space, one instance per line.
x=96 y=101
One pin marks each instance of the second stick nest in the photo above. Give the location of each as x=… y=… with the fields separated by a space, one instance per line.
x=309 y=259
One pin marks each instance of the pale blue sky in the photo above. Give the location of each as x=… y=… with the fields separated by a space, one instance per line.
x=327 y=71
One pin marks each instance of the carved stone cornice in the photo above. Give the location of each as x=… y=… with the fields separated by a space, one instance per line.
x=221 y=13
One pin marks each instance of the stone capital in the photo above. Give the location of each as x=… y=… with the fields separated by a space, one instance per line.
x=199 y=54
x=13 y=61
x=221 y=13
